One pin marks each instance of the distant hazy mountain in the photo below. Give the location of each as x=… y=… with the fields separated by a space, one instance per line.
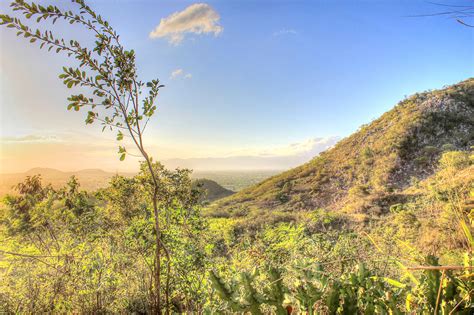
x=90 y=179
x=301 y=153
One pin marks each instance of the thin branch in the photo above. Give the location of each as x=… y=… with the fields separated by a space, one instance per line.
x=464 y=23
x=449 y=5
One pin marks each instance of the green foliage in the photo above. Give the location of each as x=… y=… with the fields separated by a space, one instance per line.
x=356 y=278
x=71 y=251
x=107 y=71
x=244 y=294
x=312 y=291
x=440 y=292
x=115 y=96
x=455 y=159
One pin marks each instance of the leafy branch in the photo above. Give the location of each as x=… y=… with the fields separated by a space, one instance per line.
x=115 y=98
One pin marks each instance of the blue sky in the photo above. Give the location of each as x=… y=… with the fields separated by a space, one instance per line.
x=276 y=73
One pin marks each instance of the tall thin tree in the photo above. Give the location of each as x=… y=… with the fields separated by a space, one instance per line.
x=115 y=96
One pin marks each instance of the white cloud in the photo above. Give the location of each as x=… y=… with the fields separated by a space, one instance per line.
x=180 y=73
x=285 y=31
x=306 y=148
x=198 y=18
x=176 y=73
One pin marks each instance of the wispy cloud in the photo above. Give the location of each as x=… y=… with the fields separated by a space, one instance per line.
x=60 y=138
x=30 y=139
x=176 y=73
x=285 y=31
x=272 y=158
x=180 y=73
x=309 y=147
x=198 y=18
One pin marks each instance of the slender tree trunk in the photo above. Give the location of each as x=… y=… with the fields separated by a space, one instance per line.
x=159 y=246
x=159 y=243
x=157 y=249
x=168 y=273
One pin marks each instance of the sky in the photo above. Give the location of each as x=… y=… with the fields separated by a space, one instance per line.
x=248 y=84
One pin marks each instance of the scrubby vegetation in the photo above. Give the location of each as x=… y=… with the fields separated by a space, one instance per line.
x=66 y=250
x=381 y=223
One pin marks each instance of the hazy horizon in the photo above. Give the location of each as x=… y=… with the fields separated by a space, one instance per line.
x=273 y=159
x=194 y=171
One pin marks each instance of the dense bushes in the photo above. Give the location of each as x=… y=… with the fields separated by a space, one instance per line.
x=69 y=251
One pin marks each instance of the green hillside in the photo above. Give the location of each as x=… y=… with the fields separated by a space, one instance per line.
x=367 y=172
x=211 y=190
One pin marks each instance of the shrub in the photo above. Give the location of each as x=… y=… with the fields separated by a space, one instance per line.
x=454 y=159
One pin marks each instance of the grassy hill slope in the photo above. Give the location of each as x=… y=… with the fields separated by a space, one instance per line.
x=211 y=190
x=368 y=171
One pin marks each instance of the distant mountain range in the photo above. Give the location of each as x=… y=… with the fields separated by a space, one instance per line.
x=90 y=179
x=291 y=156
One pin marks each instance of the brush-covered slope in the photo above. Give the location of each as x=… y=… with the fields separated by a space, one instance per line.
x=367 y=171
